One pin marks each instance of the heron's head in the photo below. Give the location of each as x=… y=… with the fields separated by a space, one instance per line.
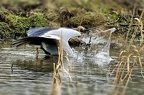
x=82 y=29
x=69 y=33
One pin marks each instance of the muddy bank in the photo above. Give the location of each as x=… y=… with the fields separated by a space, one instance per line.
x=17 y=16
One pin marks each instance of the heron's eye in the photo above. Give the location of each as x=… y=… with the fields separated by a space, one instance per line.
x=78 y=36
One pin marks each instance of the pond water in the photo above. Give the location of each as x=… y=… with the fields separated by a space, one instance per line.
x=21 y=73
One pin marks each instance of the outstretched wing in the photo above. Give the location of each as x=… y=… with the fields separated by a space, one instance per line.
x=35 y=32
x=35 y=40
x=66 y=33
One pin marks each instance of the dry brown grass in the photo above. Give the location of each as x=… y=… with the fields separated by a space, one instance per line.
x=129 y=57
x=59 y=68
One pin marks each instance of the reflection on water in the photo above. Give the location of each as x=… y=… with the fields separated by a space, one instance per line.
x=36 y=65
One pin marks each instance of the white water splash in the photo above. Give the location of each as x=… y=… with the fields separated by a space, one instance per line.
x=103 y=57
x=98 y=51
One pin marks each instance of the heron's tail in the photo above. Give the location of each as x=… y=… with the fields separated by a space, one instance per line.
x=31 y=40
x=20 y=42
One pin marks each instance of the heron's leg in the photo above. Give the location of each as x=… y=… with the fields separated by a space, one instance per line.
x=37 y=52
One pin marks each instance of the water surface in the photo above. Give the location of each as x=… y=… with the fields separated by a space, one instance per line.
x=23 y=74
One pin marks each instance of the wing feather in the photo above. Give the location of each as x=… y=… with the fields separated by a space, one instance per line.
x=34 y=41
x=34 y=32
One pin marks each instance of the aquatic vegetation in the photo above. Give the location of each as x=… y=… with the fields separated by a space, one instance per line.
x=59 y=68
x=129 y=58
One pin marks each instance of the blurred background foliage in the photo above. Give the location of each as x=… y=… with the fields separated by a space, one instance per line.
x=17 y=16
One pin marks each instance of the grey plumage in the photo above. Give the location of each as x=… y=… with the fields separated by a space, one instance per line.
x=33 y=32
x=48 y=39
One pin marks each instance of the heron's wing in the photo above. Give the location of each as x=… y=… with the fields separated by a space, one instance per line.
x=35 y=32
x=66 y=33
x=67 y=49
x=50 y=48
x=34 y=41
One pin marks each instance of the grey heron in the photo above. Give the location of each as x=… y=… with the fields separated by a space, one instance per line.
x=48 y=39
